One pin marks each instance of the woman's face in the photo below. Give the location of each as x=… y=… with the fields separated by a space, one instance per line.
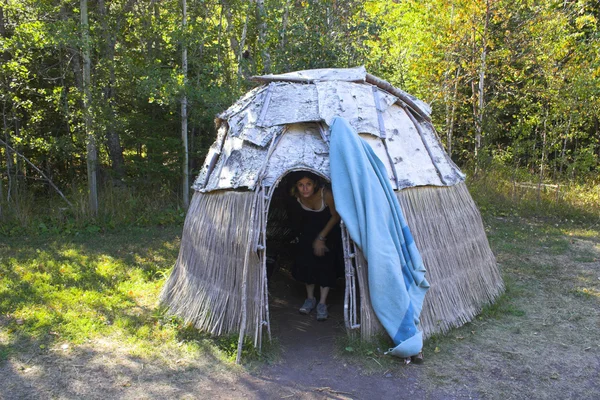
x=306 y=187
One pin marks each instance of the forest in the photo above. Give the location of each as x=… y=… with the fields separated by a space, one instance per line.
x=119 y=97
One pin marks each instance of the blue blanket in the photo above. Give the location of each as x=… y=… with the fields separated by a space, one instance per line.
x=368 y=206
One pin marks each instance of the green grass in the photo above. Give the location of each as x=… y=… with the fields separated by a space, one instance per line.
x=78 y=280
x=75 y=289
x=497 y=191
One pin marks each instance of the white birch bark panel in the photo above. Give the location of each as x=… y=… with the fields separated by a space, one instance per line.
x=326 y=74
x=211 y=159
x=300 y=147
x=260 y=136
x=290 y=103
x=245 y=119
x=377 y=145
x=424 y=107
x=411 y=161
x=354 y=102
x=242 y=102
x=238 y=166
x=449 y=171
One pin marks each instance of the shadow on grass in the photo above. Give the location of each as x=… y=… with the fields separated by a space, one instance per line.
x=78 y=287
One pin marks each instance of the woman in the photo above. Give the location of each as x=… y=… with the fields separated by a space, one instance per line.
x=317 y=225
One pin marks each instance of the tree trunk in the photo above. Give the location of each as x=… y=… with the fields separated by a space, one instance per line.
x=597 y=130
x=8 y=156
x=543 y=157
x=184 y=117
x=92 y=157
x=241 y=45
x=1 y=189
x=233 y=42
x=478 y=110
x=450 y=123
x=282 y=43
x=564 y=148
x=113 y=140
x=262 y=31
x=3 y=57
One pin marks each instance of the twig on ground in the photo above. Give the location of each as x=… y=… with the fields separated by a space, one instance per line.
x=376 y=361
x=330 y=390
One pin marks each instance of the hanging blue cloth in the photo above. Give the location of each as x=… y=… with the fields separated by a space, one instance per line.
x=368 y=206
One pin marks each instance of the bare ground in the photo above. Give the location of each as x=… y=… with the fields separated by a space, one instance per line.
x=543 y=344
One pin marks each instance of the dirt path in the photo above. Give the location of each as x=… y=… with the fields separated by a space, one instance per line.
x=309 y=368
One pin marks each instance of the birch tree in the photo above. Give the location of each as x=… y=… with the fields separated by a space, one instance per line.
x=184 y=115
x=92 y=157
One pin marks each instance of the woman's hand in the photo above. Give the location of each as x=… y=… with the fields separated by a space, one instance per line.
x=319 y=247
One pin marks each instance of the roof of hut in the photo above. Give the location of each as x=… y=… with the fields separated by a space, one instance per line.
x=282 y=125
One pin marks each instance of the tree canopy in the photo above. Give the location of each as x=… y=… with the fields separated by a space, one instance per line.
x=515 y=81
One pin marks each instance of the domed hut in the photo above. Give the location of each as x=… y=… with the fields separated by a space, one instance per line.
x=219 y=282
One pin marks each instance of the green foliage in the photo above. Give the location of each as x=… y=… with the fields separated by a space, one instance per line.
x=516 y=82
x=120 y=209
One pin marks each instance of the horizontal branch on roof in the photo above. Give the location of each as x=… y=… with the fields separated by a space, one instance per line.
x=402 y=95
x=279 y=78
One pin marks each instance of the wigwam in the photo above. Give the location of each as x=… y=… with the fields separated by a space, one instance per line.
x=219 y=282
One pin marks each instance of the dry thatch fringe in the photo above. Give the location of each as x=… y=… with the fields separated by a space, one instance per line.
x=370 y=326
x=461 y=267
x=205 y=287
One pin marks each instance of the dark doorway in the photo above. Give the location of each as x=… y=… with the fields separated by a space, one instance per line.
x=286 y=295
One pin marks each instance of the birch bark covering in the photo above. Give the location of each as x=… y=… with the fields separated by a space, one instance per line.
x=411 y=152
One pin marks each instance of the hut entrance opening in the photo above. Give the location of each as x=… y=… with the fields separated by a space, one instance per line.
x=286 y=294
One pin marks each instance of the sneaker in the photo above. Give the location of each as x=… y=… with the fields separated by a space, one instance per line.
x=308 y=306
x=321 y=312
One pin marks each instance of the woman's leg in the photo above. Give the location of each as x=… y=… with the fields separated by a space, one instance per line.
x=310 y=302
x=324 y=293
x=322 y=306
x=310 y=291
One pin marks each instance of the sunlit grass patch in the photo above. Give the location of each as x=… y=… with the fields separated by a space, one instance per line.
x=83 y=288
x=498 y=191
x=101 y=289
x=587 y=293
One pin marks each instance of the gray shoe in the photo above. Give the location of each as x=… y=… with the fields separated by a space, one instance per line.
x=308 y=306
x=321 y=312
